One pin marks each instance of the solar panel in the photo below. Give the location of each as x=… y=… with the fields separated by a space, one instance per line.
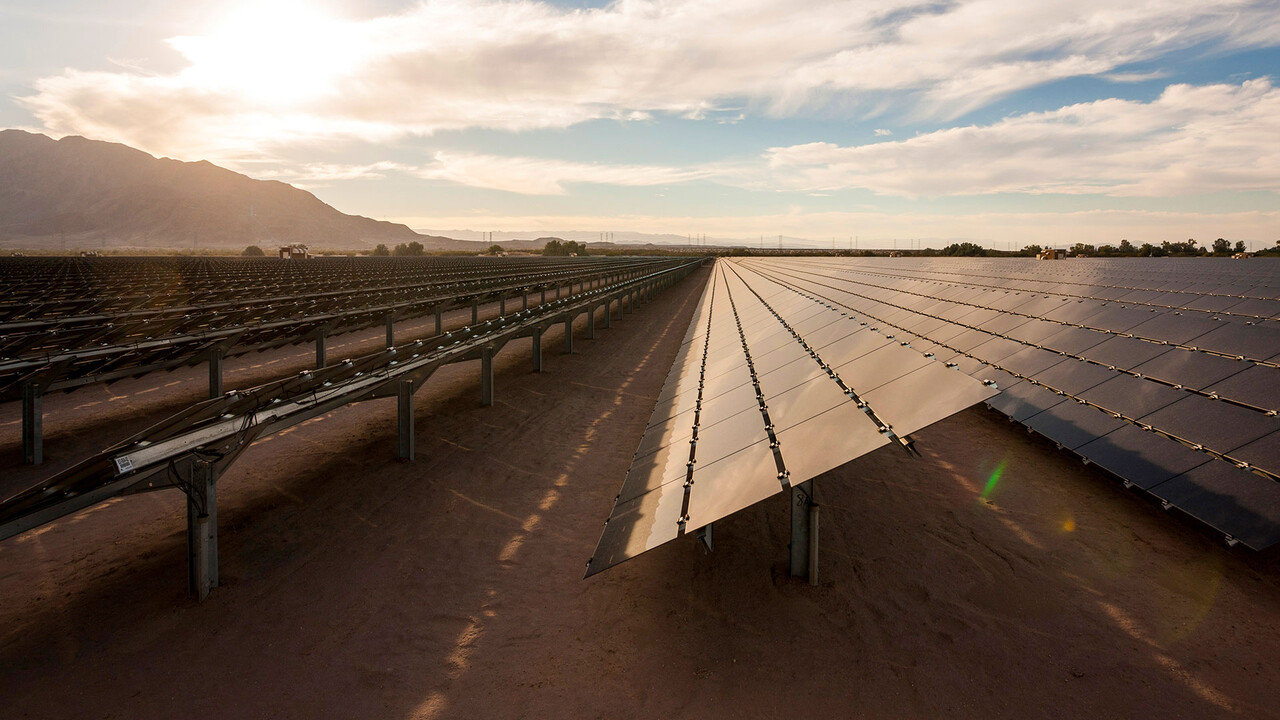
x=1257 y=386
x=787 y=388
x=1225 y=496
x=1150 y=369
x=1191 y=369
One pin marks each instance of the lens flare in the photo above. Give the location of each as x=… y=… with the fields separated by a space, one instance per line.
x=991 y=481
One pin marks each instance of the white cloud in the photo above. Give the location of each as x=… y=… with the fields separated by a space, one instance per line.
x=539 y=176
x=882 y=132
x=313 y=175
x=1189 y=140
x=282 y=74
x=524 y=175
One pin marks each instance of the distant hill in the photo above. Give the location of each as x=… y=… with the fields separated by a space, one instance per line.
x=84 y=193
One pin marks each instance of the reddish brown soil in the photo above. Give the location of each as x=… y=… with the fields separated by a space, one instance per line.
x=355 y=586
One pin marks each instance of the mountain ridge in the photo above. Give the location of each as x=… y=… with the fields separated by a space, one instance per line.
x=85 y=193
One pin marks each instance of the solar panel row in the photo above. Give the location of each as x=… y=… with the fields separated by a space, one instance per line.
x=769 y=390
x=65 y=351
x=1181 y=404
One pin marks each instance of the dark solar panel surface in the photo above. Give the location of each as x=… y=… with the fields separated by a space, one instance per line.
x=771 y=388
x=1165 y=372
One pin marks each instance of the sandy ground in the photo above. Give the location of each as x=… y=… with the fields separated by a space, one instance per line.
x=450 y=587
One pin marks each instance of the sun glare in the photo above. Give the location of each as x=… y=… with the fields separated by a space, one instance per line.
x=273 y=53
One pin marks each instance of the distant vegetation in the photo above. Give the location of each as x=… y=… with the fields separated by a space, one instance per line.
x=413 y=249
x=964 y=249
x=495 y=249
x=380 y=250
x=253 y=251
x=556 y=246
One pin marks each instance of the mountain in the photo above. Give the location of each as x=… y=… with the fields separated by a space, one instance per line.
x=84 y=193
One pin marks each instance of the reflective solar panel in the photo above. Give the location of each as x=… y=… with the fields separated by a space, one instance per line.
x=1174 y=328
x=1255 y=385
x=1073 y=340
x=1028 y=361
x=1071 y=423
x=1132 y=397
x=764 y=401
x=1023 y=399
x=1189 y=368
x=1218 y=426
x=1261 y=453
x=908 y=403
x=1178 y=325
x=1237 y=502
x=732 y=483
x=639 y=524
x=1253 y=342
x=1124 y=353
x=1073 y=376
x=827 y=441
x=1142 y=458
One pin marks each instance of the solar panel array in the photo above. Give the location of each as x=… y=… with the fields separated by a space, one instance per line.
x=770 y=388
x=65 y=322
x=1165 y=372
x=217 y=429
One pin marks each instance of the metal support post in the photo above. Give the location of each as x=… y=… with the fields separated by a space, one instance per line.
x=706 y=534
x=321 y=343
x=486 y=376
x=439 y=320
x=568 y=336
x=608 y=313
x=591 y=324
x=215 y=373
x=524 y=300
x=475 y=311
x=404 y=425
x=202 y=529
x=32 y=424
x=502 y=306
x=391 y=331
x=813 y=544
x=801 y=529
x=537 y=349
x=543 y=301
x=557 y=291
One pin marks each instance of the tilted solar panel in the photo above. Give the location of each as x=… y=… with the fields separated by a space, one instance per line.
x=1163 y=372
x=771 y=389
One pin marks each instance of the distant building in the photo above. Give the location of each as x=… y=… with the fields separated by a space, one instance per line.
x=1239 y=256
x=895 y=253
x=296 y=251
x=1051 y=254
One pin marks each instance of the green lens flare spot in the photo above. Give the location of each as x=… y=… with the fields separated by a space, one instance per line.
x=991 y=481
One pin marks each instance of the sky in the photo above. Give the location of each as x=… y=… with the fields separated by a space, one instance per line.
x=827 y=123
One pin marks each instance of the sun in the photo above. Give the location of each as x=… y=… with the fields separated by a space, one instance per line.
x=271 y=54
